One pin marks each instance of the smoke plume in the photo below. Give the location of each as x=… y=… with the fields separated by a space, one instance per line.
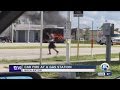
x=50 y=17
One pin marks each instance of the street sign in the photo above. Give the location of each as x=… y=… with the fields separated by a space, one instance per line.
x=106 y=29
x=67 y=31
x=78 y=13
x=112 y=29
x=67 y=34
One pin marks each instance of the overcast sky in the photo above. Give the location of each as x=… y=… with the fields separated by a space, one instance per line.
x=98 y=17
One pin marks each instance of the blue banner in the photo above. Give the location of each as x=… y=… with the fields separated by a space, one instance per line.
x=59 y=67
x=19 y=68
x=15 y=68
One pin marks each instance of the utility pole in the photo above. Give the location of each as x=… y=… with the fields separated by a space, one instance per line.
x=28 y=30
x=78 y=14
x=12 y=29
x=68 y=39
x=78 y=35
x=41 y=37
x=92 y=41
x=108 y=48
x=107 y=27
x=97 y=34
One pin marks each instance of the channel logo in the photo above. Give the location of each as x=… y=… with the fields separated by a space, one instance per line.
x=15 y=68
x=105 y=68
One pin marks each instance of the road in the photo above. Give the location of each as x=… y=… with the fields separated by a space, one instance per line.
x=35 y=53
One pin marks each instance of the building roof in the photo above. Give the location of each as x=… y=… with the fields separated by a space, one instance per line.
x=33 y=27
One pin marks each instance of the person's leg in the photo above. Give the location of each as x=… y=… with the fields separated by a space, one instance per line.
x=56 y=50
x=49 y=51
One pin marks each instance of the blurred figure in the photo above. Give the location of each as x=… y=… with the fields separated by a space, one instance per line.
x=51 y=44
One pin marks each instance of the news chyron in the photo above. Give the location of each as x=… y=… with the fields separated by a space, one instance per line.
x=105 y=68
x=52 y=68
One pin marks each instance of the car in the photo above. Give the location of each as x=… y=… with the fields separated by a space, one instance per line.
x=4 y=39
x=20 y=75
x=116 y=40
x=82 y=39
x=102 y=40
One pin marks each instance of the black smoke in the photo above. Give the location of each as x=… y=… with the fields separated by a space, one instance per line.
x=50 y=17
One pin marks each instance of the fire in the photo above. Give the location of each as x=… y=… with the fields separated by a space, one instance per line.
x=58 y=36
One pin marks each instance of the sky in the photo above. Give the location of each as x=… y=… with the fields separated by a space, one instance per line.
x=98 y=18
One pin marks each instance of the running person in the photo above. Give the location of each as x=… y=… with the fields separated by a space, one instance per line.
x=52 y=44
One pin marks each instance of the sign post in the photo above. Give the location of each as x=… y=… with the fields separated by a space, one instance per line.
x=28 y=30
x=67 y=36
x=12 y=39
x=92 y=41
x=78 y=14
x=78 y=35
x=107 y=32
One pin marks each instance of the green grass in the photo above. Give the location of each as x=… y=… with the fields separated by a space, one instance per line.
x=26 y=47
x=82 y=42
x=83 y=60
x=62 y=59
x=82 y=57
x=52 y=75
x=37 y=47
